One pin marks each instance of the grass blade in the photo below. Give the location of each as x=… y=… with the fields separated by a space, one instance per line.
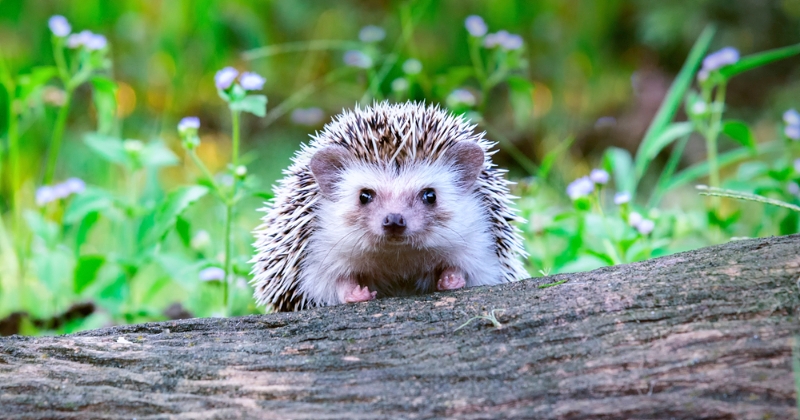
x=757 y=60
x=701 y=169
x=740 y=195
x=673 y=99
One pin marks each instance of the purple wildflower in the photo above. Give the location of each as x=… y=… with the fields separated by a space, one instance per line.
x=59 y=26
x=791 y=117
x=580 y=187
x=460 y=97
x=400 y=84
x=412 y=66
x=797 y=165
x=504 y=40
x=45 y=194
x=371 y=33
x=211 y=274
x=723 y=57
x=475 y=25
x=645 y=226
x=80 y=39
x=307 y=116
x=715 y=60
x=605 y=122
x=792 y=131
x=251 y=81
x=74 y=185
x=511 y=42
x=188 y=123
x=621 y=198
x=634 y=219
x=598 y=176
x=95 y=42
x=793 y=188
x=225 y=77
x=358 y=59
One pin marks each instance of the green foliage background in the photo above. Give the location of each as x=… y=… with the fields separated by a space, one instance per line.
x=583 y=59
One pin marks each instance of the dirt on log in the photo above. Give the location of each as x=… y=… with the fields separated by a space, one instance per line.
x=701 y=334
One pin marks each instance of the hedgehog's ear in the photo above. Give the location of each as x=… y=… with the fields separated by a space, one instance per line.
x=326 y=166
x=468 y=158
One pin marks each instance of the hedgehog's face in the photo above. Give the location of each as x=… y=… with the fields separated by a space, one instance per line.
x=412 y=205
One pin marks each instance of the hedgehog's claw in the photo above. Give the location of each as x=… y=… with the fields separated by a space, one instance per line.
x=359 y=294
x=451 y=279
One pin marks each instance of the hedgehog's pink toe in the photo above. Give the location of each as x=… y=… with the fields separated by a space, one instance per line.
x=451 y=279
x=359 y=294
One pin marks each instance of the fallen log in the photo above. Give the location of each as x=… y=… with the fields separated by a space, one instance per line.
x=701 y=334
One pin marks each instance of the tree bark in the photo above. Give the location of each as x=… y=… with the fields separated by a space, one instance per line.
x=701 y=334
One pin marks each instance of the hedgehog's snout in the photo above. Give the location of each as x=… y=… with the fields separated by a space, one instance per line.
x=394 y=224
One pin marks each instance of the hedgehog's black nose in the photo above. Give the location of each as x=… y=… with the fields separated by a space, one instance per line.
x=394 y=224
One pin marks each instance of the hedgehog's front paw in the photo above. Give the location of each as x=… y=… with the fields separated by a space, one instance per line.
x=359 y=294
x=451 y=279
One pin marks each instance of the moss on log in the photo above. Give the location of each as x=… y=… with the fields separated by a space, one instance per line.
x=701 y=334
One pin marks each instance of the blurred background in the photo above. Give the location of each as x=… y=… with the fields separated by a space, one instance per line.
x=595 y=73
x=587 y=59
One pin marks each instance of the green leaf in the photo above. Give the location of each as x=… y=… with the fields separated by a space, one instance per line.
x=620 y=164
x=648 y=152
x=174 y=205
x=54 y=268
x=521 y=96
x=113 y=294
x=748 y=171
x=105 y=100
x=789 y=225
x=264 y=195
x=674 y=97
x=254 y=104
x=740 y=132
x=757 y=60
x=155 y=154
x=46 y=230
x=184 y=229
x=83 y=230
x=107 y=147
x=86 y=271
x=37 y=78
x=89 y=201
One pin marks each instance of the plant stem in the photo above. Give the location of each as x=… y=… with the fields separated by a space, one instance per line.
x=711 y=139
x=477 y=62
x=14 y=168
x=666 y=174
x=229 y=203
x=226 y=287
x=235 y=147
x=55 y=140
x=610 y=248
x=207 y=174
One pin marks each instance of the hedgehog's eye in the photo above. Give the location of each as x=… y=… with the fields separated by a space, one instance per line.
x=366 y=196
x=428 y=196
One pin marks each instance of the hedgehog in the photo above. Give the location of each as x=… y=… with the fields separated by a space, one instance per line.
x=388 y=200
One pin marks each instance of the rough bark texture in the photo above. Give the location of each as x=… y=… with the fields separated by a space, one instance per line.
x=702 y=334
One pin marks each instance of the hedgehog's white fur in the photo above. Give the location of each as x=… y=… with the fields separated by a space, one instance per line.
x=304 y=246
